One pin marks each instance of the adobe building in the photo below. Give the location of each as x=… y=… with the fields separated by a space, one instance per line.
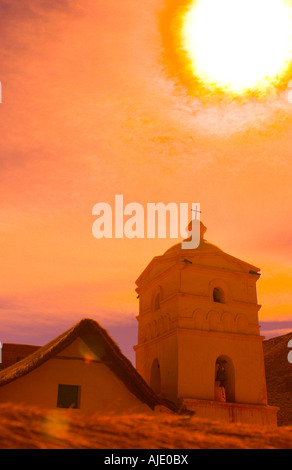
x=82 y=369
x=12 y=353
x=199 y=342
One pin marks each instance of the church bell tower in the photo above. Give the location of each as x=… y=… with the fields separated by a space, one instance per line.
x=199 y=342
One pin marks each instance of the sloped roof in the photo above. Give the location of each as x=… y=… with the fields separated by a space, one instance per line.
x=12 y=352
x=19 y=349
x=93 y=335
x=279 y=376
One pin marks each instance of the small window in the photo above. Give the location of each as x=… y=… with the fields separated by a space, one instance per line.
x=218 y=295
x=68 y=396
x=157 y=302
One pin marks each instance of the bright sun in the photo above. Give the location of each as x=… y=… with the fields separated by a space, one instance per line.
x=238 y=45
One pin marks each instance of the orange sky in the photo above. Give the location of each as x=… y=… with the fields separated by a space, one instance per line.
x=89 y=111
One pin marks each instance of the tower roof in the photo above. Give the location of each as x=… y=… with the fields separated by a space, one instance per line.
x=206 y=254
x=203 y=246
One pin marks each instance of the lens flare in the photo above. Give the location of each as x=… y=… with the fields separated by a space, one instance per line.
x=238 y=45
x=88 y=355
x=55 y=425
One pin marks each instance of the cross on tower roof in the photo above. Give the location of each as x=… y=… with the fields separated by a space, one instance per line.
x=196 y=211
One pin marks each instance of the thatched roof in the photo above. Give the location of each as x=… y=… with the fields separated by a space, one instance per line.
x=100 y=342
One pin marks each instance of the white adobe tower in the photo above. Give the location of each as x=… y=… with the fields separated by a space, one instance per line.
x=199 y=342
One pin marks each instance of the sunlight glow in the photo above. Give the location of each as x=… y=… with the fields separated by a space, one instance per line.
x=238 y=45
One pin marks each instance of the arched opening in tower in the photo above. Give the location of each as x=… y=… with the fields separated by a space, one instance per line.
x=157 y=302
x=218 y=295
x=224 y=380
x=155 y=379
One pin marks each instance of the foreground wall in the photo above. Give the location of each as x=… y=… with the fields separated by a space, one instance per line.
x=233 y=412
